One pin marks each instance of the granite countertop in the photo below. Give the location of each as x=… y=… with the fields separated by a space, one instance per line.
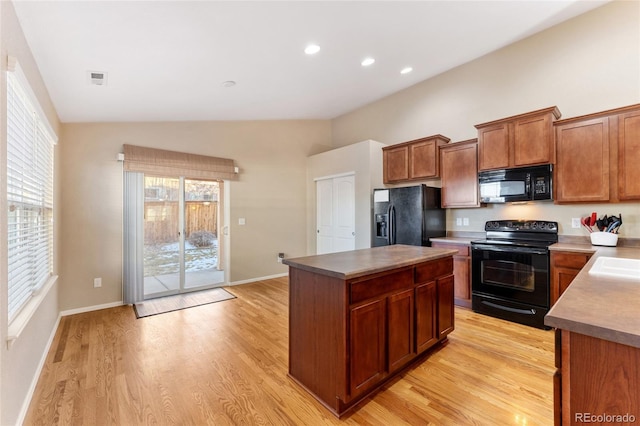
x=357 y=263
x=601 y=307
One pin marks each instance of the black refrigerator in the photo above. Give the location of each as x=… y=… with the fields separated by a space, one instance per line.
x=408 y=215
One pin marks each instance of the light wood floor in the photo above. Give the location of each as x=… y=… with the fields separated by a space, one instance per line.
x=226 y=363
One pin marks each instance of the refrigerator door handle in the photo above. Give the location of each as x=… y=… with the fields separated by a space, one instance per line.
x=392 y=224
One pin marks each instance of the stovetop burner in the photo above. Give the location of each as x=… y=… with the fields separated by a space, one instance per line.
x=520 y=233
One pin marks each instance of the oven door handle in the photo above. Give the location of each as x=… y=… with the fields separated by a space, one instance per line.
x=526 y=250
x=529 y=311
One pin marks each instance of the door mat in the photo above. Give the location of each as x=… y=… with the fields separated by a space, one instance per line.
x=165 y=304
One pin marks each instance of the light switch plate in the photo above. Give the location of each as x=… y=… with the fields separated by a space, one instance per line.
x=241 y=221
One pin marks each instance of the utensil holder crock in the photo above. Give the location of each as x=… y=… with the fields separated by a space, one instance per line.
x=604 y=239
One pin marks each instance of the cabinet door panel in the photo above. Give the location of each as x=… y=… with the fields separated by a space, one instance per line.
x=396 y=164
x=532 y=143
x=367 y=345
x=400 y=329
x=462 y=277
x=445 y=306
x=426 y=319
x=629 y=157
x=459 y=173
x=582 y=170
x=422 y=159
x=494 y=147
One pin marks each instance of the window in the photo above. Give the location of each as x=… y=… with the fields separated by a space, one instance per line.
x=29 y=193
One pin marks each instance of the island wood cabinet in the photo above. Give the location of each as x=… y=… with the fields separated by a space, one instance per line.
x=597 y=157
x=595 y=377
x=459 y=174
x=414 y=160
x=461 y=271
x=349 y=336
x=521 y=140
x=565 y=266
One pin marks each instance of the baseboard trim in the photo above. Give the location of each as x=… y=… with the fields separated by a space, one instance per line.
x=90 y=308
x=252 y=280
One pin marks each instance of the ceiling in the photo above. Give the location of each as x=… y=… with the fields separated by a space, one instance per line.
x=168 y=60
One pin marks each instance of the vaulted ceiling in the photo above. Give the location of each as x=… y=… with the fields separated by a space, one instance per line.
x=178 y=60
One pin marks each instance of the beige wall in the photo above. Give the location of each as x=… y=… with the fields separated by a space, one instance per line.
x=364 y=159
x=270 y=194
x=588 y=64
x=20 y=362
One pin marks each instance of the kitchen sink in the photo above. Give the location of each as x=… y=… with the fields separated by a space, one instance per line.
x=616 y=267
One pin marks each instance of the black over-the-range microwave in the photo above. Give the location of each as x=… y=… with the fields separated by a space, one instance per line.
x=519 y=184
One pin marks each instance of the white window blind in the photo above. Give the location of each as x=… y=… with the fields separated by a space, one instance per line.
x=29 y=193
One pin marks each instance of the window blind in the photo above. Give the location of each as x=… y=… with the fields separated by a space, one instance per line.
x=29 y=194
x=171 y=163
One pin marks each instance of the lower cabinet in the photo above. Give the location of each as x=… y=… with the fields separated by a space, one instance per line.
x=367 y=345
x=426 y=321
x=597 y=381
x=348 y=337
x=461 y=272
x=445 y=306
x=565 y=266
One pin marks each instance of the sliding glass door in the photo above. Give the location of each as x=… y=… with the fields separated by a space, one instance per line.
x=181 y=224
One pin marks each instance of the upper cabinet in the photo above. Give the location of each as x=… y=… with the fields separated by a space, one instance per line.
x=521 y=140
x=629 y=155
x=413 y=160
x=459 y=174
x=597 y=157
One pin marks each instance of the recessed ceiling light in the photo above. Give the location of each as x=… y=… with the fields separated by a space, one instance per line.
x=367 y=62
x=406 y=70
x=312 y=49
x=228 y=83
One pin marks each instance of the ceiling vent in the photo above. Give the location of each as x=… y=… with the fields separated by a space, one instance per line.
x=97 y=78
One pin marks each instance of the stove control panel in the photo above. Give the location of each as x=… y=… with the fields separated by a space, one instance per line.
x=521 y=225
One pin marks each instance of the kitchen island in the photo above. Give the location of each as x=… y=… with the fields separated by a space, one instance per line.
x=357 y=318
x=597 y=322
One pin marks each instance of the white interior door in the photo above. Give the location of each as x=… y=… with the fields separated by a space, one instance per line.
x=335 y=198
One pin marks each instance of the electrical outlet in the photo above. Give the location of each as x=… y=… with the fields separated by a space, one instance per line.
x=280 y=257
x=241 y=221
x=97 y=282
x=575 y=222
x=459 y=221
x=465 y=221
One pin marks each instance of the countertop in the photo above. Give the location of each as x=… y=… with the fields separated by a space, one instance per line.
x=605 y=308
x=357 y=263
x=454 y=240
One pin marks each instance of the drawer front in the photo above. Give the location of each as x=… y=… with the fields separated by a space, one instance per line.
x=463 y=250
x=380 y=285
x=570 y=260
x=429 y=271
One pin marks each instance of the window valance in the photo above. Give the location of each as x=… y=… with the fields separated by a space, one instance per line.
x=173 y=163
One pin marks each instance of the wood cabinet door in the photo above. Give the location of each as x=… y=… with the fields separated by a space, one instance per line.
x=395 y=164
x=400 y=329
x=582 y=161
x=533 y=141
x=426 y=316
x=629 y=156
x=367 y=345
x=461 y=272
x=462 y=280
x=423 y=160
x=493 y=147
x=445 y=306
x=564 y=268
x=459 y=174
